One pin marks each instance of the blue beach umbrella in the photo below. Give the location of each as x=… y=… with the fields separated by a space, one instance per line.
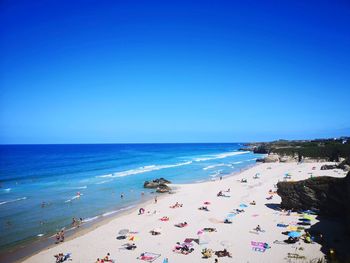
x=294 y=234
x=231 y=215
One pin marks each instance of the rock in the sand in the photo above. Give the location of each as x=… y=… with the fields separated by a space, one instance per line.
x=271 y=158
x=329 y=166
x=159 y=184
x=163 y=188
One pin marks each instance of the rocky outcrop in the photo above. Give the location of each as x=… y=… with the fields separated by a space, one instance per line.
x=329 y=166
x=328 y=195
x=163 y=188
x=271 y=158
x=159 y=184
x=345 y=164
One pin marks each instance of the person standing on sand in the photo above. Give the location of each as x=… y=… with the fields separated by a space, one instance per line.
x=58 y=237
x=62 y=235
x=155 y=199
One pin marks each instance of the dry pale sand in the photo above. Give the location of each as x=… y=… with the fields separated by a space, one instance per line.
x=236 y=237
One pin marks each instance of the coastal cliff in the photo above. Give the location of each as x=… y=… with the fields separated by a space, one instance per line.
x=328 y=195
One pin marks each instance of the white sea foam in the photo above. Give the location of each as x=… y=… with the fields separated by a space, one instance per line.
x=103 y=182
x=144 y=169
x=217 y=165
x=14 y=200
x=219 y=156
x=89 y=219
x=216 y=173
x=39 y=235
x=238 y=162
x=79 y=187
x=7 y=190
x=73 y=198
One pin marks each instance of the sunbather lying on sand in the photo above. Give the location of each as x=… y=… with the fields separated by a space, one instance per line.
x=223 y=253
x=227 y=221
x=181 y=224
x=205 y=208
x=177 y=205
x=183 y=249
x=107 y=258
x=164 y=218
x=209 y=229
x=291 y=240
x=207 y=253
x=129 y=246
x=155 y=232
x=61 y=257
x=253 y=203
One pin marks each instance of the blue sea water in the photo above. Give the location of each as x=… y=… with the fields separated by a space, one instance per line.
x=54 y=174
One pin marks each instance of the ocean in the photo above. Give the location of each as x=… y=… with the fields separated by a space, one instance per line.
x=42 y=187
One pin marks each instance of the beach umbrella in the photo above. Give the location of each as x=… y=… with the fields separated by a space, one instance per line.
x=132 y=238
x=294 y=234
x=231 y=215
x=123 y=231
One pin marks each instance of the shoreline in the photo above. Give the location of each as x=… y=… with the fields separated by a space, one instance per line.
x=26 y=249
x=104 y=232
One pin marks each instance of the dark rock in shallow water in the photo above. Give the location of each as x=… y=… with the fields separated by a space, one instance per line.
x=159 y=184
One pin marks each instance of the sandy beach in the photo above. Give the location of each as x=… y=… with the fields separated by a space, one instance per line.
x=238 y=238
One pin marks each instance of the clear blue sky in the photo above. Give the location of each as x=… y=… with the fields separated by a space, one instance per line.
x=173 y=71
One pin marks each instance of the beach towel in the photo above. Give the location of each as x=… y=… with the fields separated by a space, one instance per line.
x=259 y=249
x=282 y=225
x=148 y=256
x=259 y=246
x=243 y=205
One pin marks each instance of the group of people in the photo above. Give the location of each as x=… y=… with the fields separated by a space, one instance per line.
x=59 y=236
x=220 y=193
x=176 y=205
x=205 y=208
x=105 y=259
x=183 y=249
x=76 y=222
x=61 y=257
x=181 y=224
